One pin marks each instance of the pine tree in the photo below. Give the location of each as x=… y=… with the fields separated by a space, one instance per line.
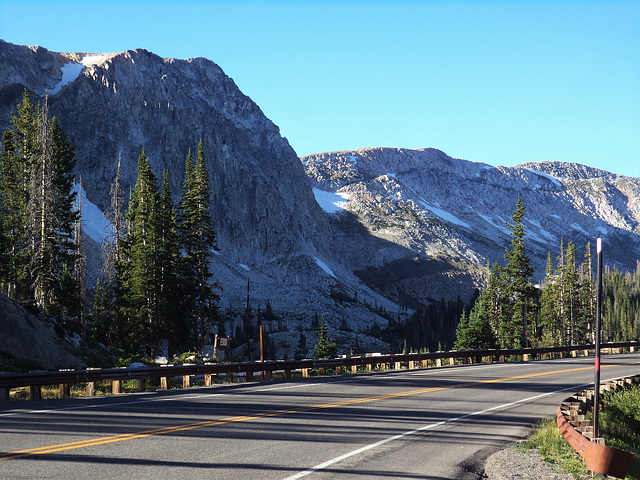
x=518 y=272
x=38 y=214
x=168 y=261
x=198 y=241
x=324 y=348
x=138 y=268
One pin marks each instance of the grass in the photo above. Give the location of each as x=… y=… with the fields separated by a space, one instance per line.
x=619 y=425
x=555 y=449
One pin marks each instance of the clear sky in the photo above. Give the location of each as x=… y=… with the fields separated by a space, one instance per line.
x=501 y=82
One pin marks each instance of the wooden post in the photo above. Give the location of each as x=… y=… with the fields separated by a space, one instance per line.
x=501 y=358
x=452 y=361
x=412 y=364
x=4 y=395
x=305 y=373
x=354 y=369
x=369 y=367
x=207 y=379
x=64 y=390
x=425 y=363
x=229 y=377
x=90 y=389
x=141 y=385
x=525 y=357
x=116 y=387
x=397 y=366
x=338 y=371
x=287 y=374
x=186 y=381
x=164 y=383
x=249 y=376
x=321 y=370
x=35 y=393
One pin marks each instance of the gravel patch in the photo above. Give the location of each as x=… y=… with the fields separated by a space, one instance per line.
x=514 y=464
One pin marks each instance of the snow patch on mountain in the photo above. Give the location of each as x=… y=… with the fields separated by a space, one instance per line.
x=446 y=216
x=324 y=267
x=70 y=72
x=94 y=223
x=331 y=202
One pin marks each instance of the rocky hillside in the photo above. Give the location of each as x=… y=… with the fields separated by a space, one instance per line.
x=431 y=222
x=348 y=235
x=270 y=230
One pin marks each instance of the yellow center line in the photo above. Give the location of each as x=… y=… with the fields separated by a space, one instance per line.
x=211 y=423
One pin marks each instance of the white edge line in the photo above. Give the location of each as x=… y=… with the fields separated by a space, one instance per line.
x=360 y=450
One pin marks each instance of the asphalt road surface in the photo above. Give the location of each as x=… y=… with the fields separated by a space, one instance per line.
x=411 y=424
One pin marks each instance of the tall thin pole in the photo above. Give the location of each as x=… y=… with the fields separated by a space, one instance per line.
x=596 y=389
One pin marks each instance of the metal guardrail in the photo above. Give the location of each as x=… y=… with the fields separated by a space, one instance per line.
x=572 y=423
x=35 y=380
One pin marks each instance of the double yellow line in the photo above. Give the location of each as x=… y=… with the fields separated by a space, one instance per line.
x=192 y=426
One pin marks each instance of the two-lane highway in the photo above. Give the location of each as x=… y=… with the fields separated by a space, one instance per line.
x=427 y=423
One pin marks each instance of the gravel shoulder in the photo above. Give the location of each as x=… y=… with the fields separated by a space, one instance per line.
x=514 y=464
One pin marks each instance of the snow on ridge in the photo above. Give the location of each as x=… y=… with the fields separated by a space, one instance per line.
x=324 y=267
x=331 y=202
x=446 y=216
x=70 y=71
x=555 y=181
x=89 y=60
x=94 y=223
x=246 y=267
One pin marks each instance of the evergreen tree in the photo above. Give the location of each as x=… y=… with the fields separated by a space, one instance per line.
x=138 y=268
x=197 y=238
x=517 y=273
x=324 y=348
x=168 y=260
x=38 y=215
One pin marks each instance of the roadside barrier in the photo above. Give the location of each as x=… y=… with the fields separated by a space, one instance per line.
x=64 y=378
x=578 y=431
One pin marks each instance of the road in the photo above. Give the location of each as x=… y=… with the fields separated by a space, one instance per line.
x=411 y=424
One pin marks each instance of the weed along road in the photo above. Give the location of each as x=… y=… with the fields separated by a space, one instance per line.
x=408 y=424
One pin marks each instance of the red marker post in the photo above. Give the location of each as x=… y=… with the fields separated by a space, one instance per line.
x=596 y=389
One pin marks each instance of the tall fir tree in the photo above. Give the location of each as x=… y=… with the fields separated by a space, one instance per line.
x=198 y=241
x=38 y=214
x=138 y=268
x=518 y=272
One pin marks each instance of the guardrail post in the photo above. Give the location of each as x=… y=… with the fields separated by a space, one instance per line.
x=369 y=367
x=287 y=374
x=525 y=357
x=141 y=385
x=4 y=395
x=90 y=389
x=229 y=377
x=452 y=361
x=397 y=366
x=250 y=377
x=35 y=393
x=632 y=349
x=501 y=358
x=321 y=370
x=412 y=364
x=207 y=379
x=186 y=381
x=64 y=390
x=354 y=369
x=266 y=375
x=164 y=383
x=438 y=362
x=305 y=373
x=116 y=387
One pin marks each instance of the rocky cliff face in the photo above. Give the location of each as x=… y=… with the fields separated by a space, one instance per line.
x=439 y=220
x=270 y=230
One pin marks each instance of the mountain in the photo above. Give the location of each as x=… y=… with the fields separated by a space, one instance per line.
x=358 y=237
x=423 y=225
x=271 y=233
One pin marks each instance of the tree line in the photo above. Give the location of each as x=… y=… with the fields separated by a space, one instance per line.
x=512 y=312
x=156 y=282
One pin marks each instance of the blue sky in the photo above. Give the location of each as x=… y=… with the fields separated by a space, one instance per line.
x=496 y=82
